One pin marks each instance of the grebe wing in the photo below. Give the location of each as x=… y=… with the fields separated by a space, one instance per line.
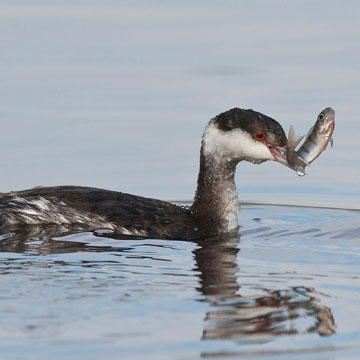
x=121 y=212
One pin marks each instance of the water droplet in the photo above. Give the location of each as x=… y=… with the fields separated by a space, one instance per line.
x=300 y=173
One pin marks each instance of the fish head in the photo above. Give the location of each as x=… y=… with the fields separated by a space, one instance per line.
x=325 y=122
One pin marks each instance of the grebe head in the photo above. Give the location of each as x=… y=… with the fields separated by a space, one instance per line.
x=239 y=134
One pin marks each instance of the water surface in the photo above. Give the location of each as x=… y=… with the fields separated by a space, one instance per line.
x=288 y=285
x=116 y=95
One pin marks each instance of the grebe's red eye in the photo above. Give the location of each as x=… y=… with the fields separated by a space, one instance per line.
x=259 y=135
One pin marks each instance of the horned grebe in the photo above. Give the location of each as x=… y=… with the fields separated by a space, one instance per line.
x=229 y=138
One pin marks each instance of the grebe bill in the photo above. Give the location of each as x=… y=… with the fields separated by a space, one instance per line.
x=229 y=138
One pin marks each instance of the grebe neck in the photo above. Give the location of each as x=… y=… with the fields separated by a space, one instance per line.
x=216 y=203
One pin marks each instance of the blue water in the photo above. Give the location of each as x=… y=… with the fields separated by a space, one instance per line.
x=288 y=285
x=116 y=95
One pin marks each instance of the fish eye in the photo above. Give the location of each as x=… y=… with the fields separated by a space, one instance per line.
x=321 y=116
x=259 y=136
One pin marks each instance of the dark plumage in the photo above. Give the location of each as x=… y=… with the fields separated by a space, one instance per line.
x=98 y=207
x=228 y=138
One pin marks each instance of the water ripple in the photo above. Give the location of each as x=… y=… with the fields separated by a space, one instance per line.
x=289 y=281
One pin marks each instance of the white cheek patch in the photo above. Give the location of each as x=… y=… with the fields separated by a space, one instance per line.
x=233 y=145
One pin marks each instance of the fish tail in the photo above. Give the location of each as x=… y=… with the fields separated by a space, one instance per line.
x=293 y=140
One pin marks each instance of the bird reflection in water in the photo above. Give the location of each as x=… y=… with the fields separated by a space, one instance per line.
x=45 y=240
x=274 y=312
x=231 y=315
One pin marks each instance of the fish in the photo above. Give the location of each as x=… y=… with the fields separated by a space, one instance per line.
x=314 y=144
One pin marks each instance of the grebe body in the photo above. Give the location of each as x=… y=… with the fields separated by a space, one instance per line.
x=229 y=138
